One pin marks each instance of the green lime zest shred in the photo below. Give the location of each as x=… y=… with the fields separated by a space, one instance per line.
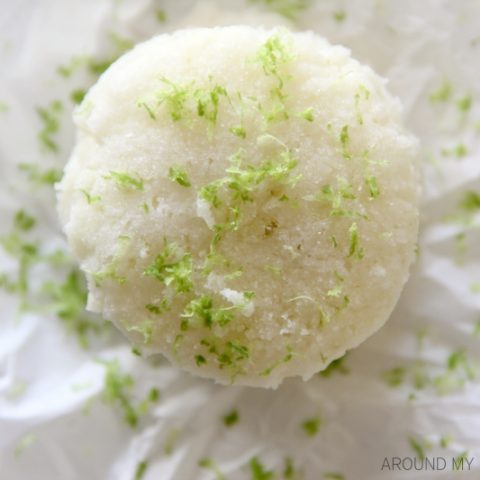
x=125 y=180
x=209 y=464
x=172 y=268
x=110 y=270
x=419 y=446
x=273 y=56
x=117 y=391
x=38 y=176
x=371 y=182
x=185 y=100
x=470 y=202
x=464 y=104
x=91 y=199
x=445 y=441
x=50 y=119
x=160 y=15
x=68 y=301
x=258 y=470
x=158 y=308
x=311 y=426
x=78 y=95
x=146 y=328
x=361 y=94
x=200 y=360
x=179 y=175
x=336 y=366
x=333 y=476
x=202 y=312
x=345 y=142
x=395 y=376
x=25 y=442
x=239 y=131
x=307 y=114
x=240 y=185
x=442 y=94
x=339 y=15
x=476 y=328
x=339 y=198
x=141 y=470
x=23 y=221
x=288 y=356
x=231 y=418
x=355 y=250
x=72 y=66
x=175 y=96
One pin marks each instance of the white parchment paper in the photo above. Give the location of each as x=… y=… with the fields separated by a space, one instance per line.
x=53 y=421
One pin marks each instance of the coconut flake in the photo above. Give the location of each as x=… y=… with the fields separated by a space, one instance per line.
x=238 y=299
x=204 y=212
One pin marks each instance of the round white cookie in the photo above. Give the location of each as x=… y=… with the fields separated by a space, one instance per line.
x=243 y=201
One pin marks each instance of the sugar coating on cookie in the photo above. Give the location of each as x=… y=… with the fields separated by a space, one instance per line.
x=243 y=201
